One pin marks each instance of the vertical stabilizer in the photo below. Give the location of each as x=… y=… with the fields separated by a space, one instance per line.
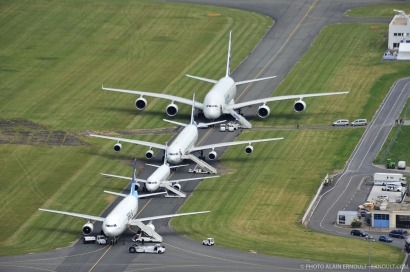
x=228 y=62
x=192 y=111
x=132 y=191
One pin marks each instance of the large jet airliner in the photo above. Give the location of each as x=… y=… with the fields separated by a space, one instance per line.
x=185 y=142
x=221 y=98
x=122 y=215
x=159 y=179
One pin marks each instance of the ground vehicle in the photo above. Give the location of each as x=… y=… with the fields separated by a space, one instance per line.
x=401 y=165
x=208 y=242
x=385 y=178
x=359 y=122
x=341 y=122
x=158 y=248
x=407 y=244
x=101 y=240
x=230 y=126
x=392 y=187
x=390 y=164
x=89 y=239
x=359 y=232
x=398 y=233
x=385 y=238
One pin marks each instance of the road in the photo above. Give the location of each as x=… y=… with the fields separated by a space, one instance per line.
x=297 y=24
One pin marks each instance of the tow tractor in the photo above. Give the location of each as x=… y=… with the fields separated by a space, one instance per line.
x=208 y=242
x=158 y=248
x=230 y=126
x=99 y=239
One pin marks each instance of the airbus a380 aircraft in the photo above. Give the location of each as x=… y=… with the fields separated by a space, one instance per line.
x=220 y=99
x=122 y=215
x=159 y=179
x=185 y=142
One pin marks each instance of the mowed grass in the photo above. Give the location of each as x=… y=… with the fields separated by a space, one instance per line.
x=378 y=10
x=54 y=56
x=260 y=205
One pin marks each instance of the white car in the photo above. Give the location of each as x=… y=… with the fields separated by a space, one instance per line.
x=359 y=122
x=341 y=122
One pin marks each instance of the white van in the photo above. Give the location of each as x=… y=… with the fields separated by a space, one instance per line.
x=359 y=122
x=341 y=122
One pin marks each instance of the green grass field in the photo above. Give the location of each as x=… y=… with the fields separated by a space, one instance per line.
x=51 y=73
x=378 y=11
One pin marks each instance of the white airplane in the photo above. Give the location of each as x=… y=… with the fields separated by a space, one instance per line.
x=159 y=179
x=220 y=99
x=185 y=142
x=122 y=215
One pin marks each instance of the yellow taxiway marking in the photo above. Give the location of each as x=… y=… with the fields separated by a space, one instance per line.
x=283 y=46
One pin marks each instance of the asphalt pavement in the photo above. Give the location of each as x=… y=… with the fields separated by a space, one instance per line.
x=297 y=23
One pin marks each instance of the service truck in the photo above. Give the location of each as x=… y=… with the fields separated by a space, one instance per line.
x=158 y=248
x=384 y=178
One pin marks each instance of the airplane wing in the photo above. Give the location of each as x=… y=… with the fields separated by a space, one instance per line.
x=138 y=142
x=199 y=148
x=280 y=98
x=85 y=216
x=135 y=222
x=197 y=105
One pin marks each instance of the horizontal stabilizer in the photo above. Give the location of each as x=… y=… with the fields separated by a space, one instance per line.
x=175 y=122
x=252 y=80
x=203 y=79
x=175 y=191
x=200 y=125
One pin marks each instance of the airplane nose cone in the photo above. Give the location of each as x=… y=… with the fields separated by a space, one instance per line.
x=151 y=187
x=212 y=113
x=174 y=159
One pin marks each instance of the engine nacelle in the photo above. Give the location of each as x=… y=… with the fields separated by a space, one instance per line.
x=299 y=106
x=88 y=228
x=141 y=103
x=172 y=109
x=263 y=111
x=117 y=147
x=149 y=154
x=177 y=186
x=137 y=186
x=249 y=149
x=212 y=155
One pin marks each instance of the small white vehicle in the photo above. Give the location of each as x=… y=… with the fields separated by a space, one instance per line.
x=89 y=239
x=401 y=165
x=208 y=242
x=341 y=122
x=158 y=248
x=392 y=188
x=101 y=240
x=359 y=122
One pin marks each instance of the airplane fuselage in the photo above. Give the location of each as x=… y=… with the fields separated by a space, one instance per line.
x=117 y=221
x=221 y=94
x=153 y=182
x=185 y=140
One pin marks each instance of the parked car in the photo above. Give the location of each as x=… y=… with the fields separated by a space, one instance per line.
x=341 y=122
x=385 y=238
x=398 y=233
x=359 y=122
x=359 y=232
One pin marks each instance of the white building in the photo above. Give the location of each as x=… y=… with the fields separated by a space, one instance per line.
x=399 y=30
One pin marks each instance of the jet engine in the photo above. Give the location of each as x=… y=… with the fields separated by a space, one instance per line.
x=212 y=155
x=177 y=186
x=263 y=111
x=249 y=149
x=117 y=147
x=149 y=154
x=88 y=228
x=172 y=109
x=141 y=103
x=299 y=105
x=137 y=186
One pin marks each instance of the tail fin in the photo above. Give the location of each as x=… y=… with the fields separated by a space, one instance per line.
x=228 y=62
x=192 y=111
x=132 y=191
